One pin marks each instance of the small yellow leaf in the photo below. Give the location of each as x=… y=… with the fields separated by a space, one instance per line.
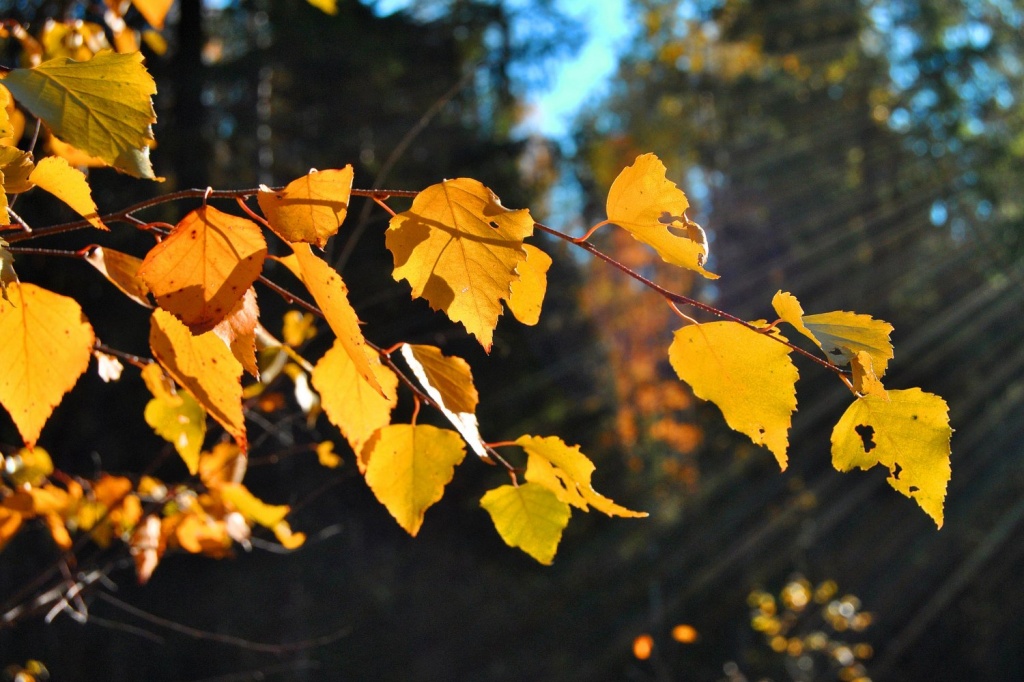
x=204 y=267
x=102 y=106
x=326 y=456
x=47 y=344
x=153 y=11
x=6 y=127
x=298 y=328
x=325 y=6
x=528 y=516
x=567 y=472
x=224 y=463
x=17 y=166
x=29 y=466
x=908 y=433
x=331 y=294
x=310 y=209
x=251 y=507
x=287 y=538
x=348 y=400
x=528 y=291
x=749 y=376
x=121 y=270
x=409 y=467
x=459 y=248
x=7 y=274
x=864 y=380
x=68 y=184
x=238 y=331
x=651 y=208
x=204 y=366
x=179 y=420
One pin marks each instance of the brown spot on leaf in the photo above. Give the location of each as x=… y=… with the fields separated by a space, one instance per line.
x=866 y=434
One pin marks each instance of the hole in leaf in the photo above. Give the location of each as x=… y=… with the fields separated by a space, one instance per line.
x=896 y=471
x=914 y=488
x=493 y=224
x=866 y=434
x=835 y=351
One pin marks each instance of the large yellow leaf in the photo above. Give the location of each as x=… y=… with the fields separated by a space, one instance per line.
x=310 y=209
x=528 y=291
x=175 y=416
x=908 y=433
x=749 y=376
x=204 y=267
x=566 y=472
x=409 y=467
x=459 y=248
x=121 y=270
x=528 y=516
x=840 y=334
x=331 y=294
x=650 y=207
x=238 y=331
x=348 y=400
x=45 y=345
x=68 y=184
x=102 y=106
x=204 y=366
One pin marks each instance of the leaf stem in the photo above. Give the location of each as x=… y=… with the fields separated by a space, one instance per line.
x=592 y=230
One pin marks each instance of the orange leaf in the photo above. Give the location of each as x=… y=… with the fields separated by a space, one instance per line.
x=238 y=331
x=122 y=271
x=68 y=184
x=153 y=11
x=204 y=267
x=528 y=291
x=10 y=522
x=310 y=209
x=46 y=345
x=331 y=294
x=204 y=366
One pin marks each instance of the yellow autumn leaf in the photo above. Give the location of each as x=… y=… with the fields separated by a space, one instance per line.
x=567 y=472
x=909 y=433
x=201 y=270
x=651 y=208
x=454 y=384
x=310 y=209
x=325 y=6
x=748 y=375
x=224 y=463
x=28 y=466
x=6 y=127
x=459 y=248
x=408 y=468
x=17 y=166
x=101 y=106
x=865 y=382
x=7 y=274
x=839 y=334
x=204 y=366
x=331 y=295
x=528 y=291
x=528 y=516
x=348 y=400
x=298 y=328
x=68 y=184
x=153 y=11
x=175 y=416
x=75 y=157
x=47 y=343
x=10 y=523
x=251 y=507
x=121 y=270
x=238 y=331
x=326 y=456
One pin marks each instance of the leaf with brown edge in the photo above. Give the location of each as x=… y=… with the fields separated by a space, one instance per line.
x=204 y=266
x=908 y=433
x=46 y=346
x=651 y=208
x=748 y=375
x=101 y=106
x=528 y=291
x=528 y=516
x=238 y=331
x=310 y=209
x=68 y=184
x=459 y=248
x=409 y=467
x=567 y=472
x=331 y=295
x=204 y=366
x=349 y=402
x=121 y=270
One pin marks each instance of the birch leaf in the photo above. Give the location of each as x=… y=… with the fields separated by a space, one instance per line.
x=121 y=270
x=528 y=516
x=311 y=208
x=528 y=291
x=68 y=184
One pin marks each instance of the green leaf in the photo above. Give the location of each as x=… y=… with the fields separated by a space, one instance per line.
x=528 y=516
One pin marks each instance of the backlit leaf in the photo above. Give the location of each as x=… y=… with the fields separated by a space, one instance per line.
x=325 y=6
x=175 y=416
x=204 y=366
x=298 y=328
x=10 y=523
x=7 y=274
x=224 y=463
x=47 y=343
x=331 y=295
x=28 y=466
x=203 y=268
x=908 y=433
x=326 y=456
x=528 y=516
x=528 y=291
x=839 y=334
x=238 y=331
x=153 y=11
x=122 y=270
x=650 y=207
x=567 y=472
x=348 y=400
x=102 y=106
x=68 y=184
x=865 y=382
x=17 y=166
x=310 y=209
x=409 y=466
x=459 y=248
x=748 y=375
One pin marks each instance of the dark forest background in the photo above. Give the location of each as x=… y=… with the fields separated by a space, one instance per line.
x=864 y=155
